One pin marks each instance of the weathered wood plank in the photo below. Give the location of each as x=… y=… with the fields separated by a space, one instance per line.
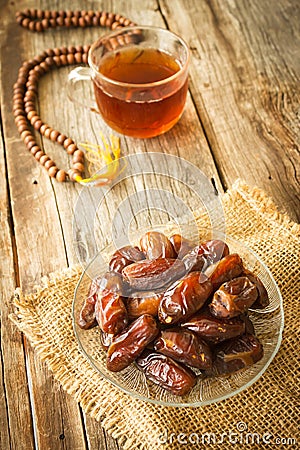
x=40 y=250
x=15 y=411
x=245 y=84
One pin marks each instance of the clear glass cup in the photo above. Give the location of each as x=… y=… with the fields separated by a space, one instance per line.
x=140 y=79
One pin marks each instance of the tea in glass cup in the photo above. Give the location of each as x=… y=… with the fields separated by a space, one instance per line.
x=140 y=78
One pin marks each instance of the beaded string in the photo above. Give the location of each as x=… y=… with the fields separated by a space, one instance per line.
x=26 y=86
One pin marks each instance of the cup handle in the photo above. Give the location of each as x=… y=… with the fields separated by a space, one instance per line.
x=76 y=76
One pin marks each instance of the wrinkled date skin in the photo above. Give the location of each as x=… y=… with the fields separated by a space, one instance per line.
x=262 y=300
x=166 y=372
x=213 y=329
x=233 y=298
x=236 y=354
x=181 y=245
x=152 y=274
x=87 y=317
x=128 y=345
x=206 y=254
x=125 y=256
x=111 y=313
x=184 y=298
x=143 y=303
x=185 y=347
x=113 y=282
x=231 y=266
x=156 y=245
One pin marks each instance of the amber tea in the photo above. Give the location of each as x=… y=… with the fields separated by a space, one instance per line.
x=140 y=79
x=149 y=106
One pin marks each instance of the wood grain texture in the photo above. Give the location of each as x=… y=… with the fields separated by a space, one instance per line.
x=245 y=84
x=16 y=431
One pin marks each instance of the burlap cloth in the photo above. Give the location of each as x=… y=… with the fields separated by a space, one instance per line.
x=269 y=407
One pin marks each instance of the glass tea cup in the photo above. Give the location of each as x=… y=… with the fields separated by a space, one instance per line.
x=140 y=79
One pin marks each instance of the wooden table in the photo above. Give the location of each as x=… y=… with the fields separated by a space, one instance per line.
x=241 y=120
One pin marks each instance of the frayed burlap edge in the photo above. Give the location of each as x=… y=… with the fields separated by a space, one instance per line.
x=106 y=411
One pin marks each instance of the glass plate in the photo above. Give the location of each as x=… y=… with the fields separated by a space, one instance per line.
x=268 y=325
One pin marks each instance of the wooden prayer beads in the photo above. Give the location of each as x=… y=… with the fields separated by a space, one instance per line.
x=27 y=118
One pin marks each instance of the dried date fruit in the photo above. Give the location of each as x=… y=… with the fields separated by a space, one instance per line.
x=167 y=373
x=140 y=303
x=87 y=317
x=213 y=329
x=185 y=347
x=233 y=298
x=153 y=274
x=206 y=254
x=105 y=339
x=113 y=282
x=236 y=354
x=262 y=300
x=181 y=245
x=128 y=345
x=231 y=266
x=184 y=298
x=125 y=256
x=156 y=245
x=249 y=327
x=111 y=313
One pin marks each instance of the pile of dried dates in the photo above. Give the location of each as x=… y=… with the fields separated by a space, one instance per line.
x=173 y=306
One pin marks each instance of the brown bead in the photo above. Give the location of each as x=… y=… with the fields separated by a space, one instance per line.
x=34 y=119
x=75 y=21
x=25 y=22
x=44 y=159
x=28 y=138
x=78 y=156
x=78 y=166
x=71 y=149
x=72 y=174
x=81 y=22
x=45 y=66
x=103 y=19
x=63 y=60
x=38 y=155
x=37 y=125
x=61 y=138
x=78 y=57
x=25 y=133
x=39 y=27
x=68 y=22
x=54 y=135
x=35 y=149
x=23 y=127
x=49 y=164
x=52 y=171
x=85 y=58
x=61 y=176
x=43 y=128
x=47 y=14
x=48 y=132
x=68 y=142
x=49 y=61
x=60 y=21
x=45 y=23
x=31 y=144
x=70 y=58
x=57 y=61
x=56 y=51
x=18 y=111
